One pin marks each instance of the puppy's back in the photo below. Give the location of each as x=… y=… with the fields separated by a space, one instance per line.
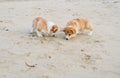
x=82 y=23
x=39 y=23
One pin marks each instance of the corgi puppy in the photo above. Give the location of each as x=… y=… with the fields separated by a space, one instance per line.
x=76 y=26
x=42 y=27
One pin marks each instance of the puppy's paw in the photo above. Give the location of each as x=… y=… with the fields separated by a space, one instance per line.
x=90 y=33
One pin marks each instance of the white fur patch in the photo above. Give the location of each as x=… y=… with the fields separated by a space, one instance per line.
x=67 y=37
x=50 y=25
x=90 y=33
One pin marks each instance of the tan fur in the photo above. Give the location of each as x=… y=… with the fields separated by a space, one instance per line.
x=40 y=23
x=82 y=23
x=54 y=29
x=74 y=26
x=41 y=27
x=69 y=31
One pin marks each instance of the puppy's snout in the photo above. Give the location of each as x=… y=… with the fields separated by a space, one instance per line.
x=66 y=38
x=53 y=35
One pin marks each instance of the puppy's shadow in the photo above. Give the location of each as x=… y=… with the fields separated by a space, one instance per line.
x=60 y=35
x=32 y=34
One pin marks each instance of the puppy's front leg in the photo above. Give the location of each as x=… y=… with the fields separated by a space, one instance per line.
x=90 y=33
x=39 y=34
x=73 y=35
x=45 y=33
x=77 y=32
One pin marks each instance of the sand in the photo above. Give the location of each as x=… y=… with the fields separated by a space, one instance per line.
x=23 y=56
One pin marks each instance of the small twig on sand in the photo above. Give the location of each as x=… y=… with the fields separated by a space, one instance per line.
x=30 y=65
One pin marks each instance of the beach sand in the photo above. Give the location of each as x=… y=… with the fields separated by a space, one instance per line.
x=23 y=56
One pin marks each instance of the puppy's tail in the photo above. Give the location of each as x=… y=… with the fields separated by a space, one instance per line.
x=34 y=25
x=89 y=26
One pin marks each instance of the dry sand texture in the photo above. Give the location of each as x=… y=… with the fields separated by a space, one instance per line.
x=96 y=56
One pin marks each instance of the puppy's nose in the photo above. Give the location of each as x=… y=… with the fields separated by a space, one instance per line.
x=66 y=38
x=53 y=35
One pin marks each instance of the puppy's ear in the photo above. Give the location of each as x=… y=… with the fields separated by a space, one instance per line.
x=72 y=31
x=54 y=28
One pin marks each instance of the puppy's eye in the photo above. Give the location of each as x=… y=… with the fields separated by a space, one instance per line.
x=69 y=34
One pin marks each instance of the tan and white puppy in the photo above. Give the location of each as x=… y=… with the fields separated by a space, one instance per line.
x=76 y=26
x=41 y=26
